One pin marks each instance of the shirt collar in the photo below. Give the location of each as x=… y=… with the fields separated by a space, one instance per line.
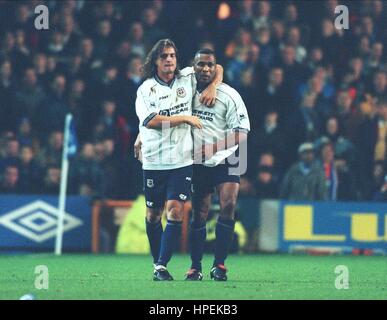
x=163 y=82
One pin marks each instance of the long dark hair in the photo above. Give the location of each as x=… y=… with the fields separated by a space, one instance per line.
x=149 y=67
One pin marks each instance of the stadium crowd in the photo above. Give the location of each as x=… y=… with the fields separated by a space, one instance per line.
x=316 y=94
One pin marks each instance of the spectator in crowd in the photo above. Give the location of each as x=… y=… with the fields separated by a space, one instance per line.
x=268 y=138
x=274 y=95
x=6 y=94
x=378 y=182
x=24 y=133
x=10 y=180
x=379 y=85
x=239 y=45
x=103 y=39
x=371 y=142
x=136 y=38
x=348 y=115
x=152 y=29
x=129 y=84
x=51 y=154
x=328 y=163
x=347 y=189
x=265 y=186
x=375 y=59
x=261 y=17
x=343 y=147
x=305 y=180
x=10 y=155
x=301 y=78
x=51 y=181
x=303 y=125
x=268 y=52
x=54 y=108
x=86 y=174
x=29 y=97
x=29 y=171
x=40 y=65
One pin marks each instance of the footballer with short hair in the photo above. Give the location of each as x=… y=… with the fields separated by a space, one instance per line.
x=225 y=126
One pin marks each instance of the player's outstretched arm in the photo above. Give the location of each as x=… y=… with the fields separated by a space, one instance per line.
x=208 y=96
x=158 y=120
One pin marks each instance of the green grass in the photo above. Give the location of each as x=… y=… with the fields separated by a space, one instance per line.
x=250 y=277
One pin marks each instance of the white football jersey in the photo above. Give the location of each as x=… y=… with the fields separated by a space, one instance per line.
x=227 y=115
x=166 y=148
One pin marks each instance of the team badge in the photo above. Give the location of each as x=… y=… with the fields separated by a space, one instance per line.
x=180 y=92
x=182 y=196
x=149 y=183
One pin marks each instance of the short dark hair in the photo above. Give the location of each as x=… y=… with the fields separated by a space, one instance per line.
x=205 y=51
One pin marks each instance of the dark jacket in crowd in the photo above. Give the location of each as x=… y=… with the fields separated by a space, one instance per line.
x=302 y=186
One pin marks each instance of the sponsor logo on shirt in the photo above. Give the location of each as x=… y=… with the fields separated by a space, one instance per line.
x=204 y=115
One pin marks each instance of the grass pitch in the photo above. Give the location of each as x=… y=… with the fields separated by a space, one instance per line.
x=251 y=277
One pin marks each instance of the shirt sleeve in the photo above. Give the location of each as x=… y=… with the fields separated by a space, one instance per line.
x=189 y=71
x=145 y=109
x=237 y=117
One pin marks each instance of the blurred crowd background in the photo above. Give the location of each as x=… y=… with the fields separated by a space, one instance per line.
x=302 y=80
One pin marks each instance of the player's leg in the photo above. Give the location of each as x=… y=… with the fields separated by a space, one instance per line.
x=197 y=234
x=172 y=231
x=155 y=193
x=228 y=193
x=154 y=231
x=178 y=190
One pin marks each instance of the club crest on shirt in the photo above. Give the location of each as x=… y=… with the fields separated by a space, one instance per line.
x=149 y=183
x=180 y=92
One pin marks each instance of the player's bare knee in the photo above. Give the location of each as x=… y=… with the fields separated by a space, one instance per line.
x=175 y=210
x=153 y=216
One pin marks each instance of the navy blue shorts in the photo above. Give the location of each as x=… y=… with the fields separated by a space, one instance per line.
x=205 y=179
x=163 y=185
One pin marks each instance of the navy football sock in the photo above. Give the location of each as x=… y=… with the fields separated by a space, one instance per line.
x=197 y=238
x=224 y=236
x=169 y=241
x=154 y=232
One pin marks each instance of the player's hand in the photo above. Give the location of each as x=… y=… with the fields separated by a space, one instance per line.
x=194 y=122
x=208 y=96
x=137 y=149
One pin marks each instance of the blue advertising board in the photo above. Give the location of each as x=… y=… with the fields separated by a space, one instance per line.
x=28 y=223
x=349 y=225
